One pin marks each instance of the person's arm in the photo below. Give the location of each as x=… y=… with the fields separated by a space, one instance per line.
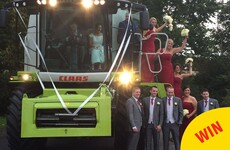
x=161 y=27
x=199 y=109
x=185 y=75
x=217 y=104
x=129 y=107
x=179 y=49
x=120 y=32
x=144 y=33
x=180 y=111
x=161 y=112
x=145 y=36
x=157 y=54
x=91 y=41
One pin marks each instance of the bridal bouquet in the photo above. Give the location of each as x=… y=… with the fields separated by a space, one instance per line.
x=169 y=20
x=185 y=112
x=188 y=60
x=184 y=32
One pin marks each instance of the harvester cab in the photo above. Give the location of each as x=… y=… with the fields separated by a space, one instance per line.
x=77 y=71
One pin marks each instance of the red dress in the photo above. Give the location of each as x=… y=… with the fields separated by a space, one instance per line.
x=186 y=121
x=177 y=87
x=166 y=75
x=148 y=46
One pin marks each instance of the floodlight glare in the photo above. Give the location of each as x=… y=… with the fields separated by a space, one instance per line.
x=53 y=3
x=87 y=3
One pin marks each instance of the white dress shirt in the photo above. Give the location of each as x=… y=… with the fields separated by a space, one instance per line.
x=151 y=110
x=170 y=117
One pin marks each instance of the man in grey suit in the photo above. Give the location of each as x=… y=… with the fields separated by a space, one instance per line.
x=154 y=115
x=134 y=111
x=173 y=116
x=207 y=103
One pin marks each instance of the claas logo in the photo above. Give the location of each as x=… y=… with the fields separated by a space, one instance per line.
x=73 y=78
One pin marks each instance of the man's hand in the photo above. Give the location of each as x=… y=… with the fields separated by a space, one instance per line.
x=135 y=129
x=158 y=128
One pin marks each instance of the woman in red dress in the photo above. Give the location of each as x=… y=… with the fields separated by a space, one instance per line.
x=178 y=77
x=148 y=46
x=166 y=75
x=190 y=103
x=147 y=60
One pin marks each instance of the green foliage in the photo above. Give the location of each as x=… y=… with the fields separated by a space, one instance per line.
x=4 y=91
x=214 y=74
x=226 y=100
x=210 y=45
x=11 y=52
x=2 y=122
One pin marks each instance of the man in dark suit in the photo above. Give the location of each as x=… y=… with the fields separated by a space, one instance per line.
x=134 y=111
x=173 y=116
x=132 y=28
x=154 y=115
x=133 y=45
x=74 y=44
x=207 y=103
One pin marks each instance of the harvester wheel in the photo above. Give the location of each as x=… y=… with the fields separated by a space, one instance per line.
x=15 y=142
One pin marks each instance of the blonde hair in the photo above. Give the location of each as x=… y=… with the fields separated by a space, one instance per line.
x=171 y=40
x=152 y=18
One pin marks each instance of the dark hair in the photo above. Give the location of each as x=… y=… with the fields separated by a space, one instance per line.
x=97 y=24
x=176 y=64
x=204 y=90
x=186 y=87
x=154 y=86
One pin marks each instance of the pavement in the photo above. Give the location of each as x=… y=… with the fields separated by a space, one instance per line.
x=105 y=143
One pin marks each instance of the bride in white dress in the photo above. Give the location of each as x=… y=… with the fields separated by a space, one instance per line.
x=96 y=47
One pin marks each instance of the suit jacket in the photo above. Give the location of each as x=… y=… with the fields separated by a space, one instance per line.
x=158 y=111
x=213 y=104
x=177 y=109
x=122 y=28
x=134 y=113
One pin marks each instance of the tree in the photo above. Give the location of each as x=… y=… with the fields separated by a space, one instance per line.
x=213 y=71
x=10 y=55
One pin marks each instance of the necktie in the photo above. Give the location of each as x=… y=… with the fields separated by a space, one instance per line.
x=152 y=99
x=205 y=103
x=139 y=103
x=169 y=101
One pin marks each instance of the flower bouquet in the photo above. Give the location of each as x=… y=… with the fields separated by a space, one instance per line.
x=185 y=112
x=188 y=60
x=170 y=27
x=169 y=20
x=184 y=32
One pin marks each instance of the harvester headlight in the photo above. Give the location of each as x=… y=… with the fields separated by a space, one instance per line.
x=102 y=2
x=87 y=3
x=53 y=3
x=39 y=2
x=26 y=77
x=96 y=2
x=44 y=2
x=125 y=77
